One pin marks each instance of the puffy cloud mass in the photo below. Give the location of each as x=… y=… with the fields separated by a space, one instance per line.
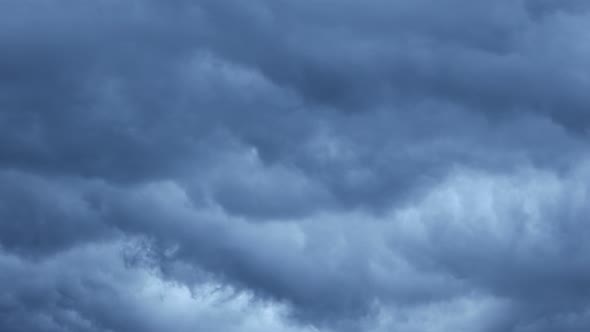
x=294 y=166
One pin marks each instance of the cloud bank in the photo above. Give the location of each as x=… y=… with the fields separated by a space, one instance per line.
x=294 y=166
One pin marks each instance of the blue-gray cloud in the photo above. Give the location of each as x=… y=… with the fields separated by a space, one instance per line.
x=294 y=166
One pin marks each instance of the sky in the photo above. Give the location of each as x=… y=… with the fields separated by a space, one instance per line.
x=294 y=166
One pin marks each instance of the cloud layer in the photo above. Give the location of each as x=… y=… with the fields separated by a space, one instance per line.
x=294 y=166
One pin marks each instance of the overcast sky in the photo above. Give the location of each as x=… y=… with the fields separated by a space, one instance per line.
x=294 y=165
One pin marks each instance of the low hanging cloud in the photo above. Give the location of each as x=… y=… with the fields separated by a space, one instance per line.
x=294 y=166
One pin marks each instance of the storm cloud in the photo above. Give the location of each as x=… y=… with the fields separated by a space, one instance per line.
x=294 y=166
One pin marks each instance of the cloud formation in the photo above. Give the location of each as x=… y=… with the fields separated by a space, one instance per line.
x=294 y=166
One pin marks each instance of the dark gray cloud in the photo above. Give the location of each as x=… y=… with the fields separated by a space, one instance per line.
x=41 y=217
x=294 y=165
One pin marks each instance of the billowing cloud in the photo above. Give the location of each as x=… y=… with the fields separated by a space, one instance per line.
x=294 y=166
